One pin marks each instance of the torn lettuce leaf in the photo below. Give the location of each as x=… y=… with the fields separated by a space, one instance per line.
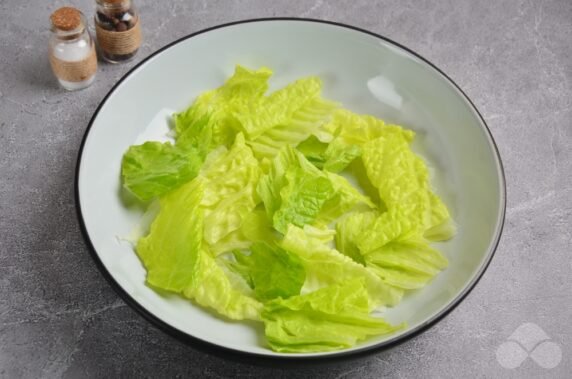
x=355 y=129
x=326 y=266
x=271 y=271
x=333 y=157
x=339 y=155
x=346 y=198
x=176 y=260
x=296 y=192
x=302 y=198
x=442 y=227
x=256 y=227
x=408 y=264
x=402 y=180
x=153 y=168
x=348 y=232
x=388 y=247
x=269 y=122
x=197 y=134
x=274 y=180
x=170 y=254
x=211 y=288
x=293 y=191
x=298 y=109
x=230 y=191
x=331 y=318
x=314 y=150
x=240 y=93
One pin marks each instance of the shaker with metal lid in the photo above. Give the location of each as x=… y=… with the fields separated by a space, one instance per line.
x=118 y=30
x=71 y=49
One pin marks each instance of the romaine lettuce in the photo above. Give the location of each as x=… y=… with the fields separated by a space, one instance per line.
x=271 y=271
x=326 y=266
x=403 y=183
x=330 y=318
x=230 y=191
x=153 y=168
x=176 y=260
x=252 y=195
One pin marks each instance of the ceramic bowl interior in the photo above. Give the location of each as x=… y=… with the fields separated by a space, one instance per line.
x=365 y=72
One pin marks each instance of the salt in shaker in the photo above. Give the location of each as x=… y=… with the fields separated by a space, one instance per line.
x=71 y=49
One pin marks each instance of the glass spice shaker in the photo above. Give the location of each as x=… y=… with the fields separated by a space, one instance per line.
x=117 y=29
x=71 y=49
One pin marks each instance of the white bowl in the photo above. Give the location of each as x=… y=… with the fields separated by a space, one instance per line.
x=368 y=74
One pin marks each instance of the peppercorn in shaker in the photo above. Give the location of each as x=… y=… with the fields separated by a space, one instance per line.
x=118 y=30
x=71 y=49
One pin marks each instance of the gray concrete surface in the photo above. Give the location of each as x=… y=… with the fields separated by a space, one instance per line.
x=60 y=318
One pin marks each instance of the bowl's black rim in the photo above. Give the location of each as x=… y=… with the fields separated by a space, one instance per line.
x=291 y=359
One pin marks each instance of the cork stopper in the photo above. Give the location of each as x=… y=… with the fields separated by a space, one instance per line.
x=66 y=18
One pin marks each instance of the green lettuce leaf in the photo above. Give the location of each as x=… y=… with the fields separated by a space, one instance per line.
x=241 y=93
x=170 y=254
x=403 y=183
x=211 y=288
x=408 y=264
x=272 y=271
x=302 y=198
x=388 y=247
x=346 y=198
x=348 y=232
x=339 y=155
x=326 y=266
x=271 y=184
x=333 y=157
x=354 y=129
x=441 y=226
x=285 y=117
x=256 y=227
x=294 y=190
x=197 y=134
x=304 y=123
x=297 y=110
x=330 y=318
x=153 y=168
x=176 y=261
x=230 y=190
x=314 y=150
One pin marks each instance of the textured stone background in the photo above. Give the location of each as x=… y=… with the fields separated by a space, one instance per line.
x=58 y=316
